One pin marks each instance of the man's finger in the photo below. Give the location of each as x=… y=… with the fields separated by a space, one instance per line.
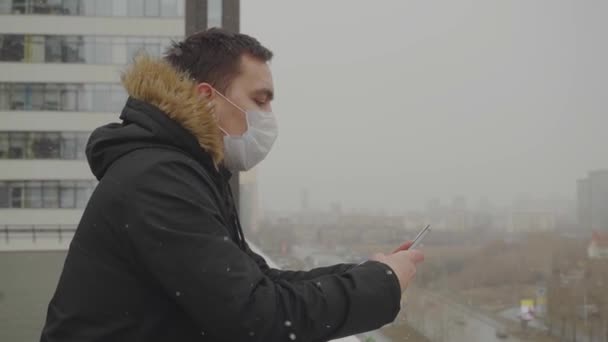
x=404 y=247
x=416 y=256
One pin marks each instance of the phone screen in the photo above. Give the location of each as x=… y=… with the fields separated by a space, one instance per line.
x=420 y=236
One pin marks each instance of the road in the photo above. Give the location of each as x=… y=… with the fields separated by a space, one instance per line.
x=442 y=319
x=513 y=314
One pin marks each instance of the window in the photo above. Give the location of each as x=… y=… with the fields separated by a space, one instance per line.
x=103 y=51
x=104 y=8
x=83 y=192
x=152 y=47
x=4 y=145
x=77 y=49
x=119 y=50
x=35 y=50
x=6 y=6
x=4 y=95
x=44 y=7
x=134 y=47
x=17 y=97
x=68 y=97
x=45 y=194
x=62 y=97
x=50 y=194
x=85 y=98
x=16 y=194
x=11 y=47
x=118 y=98
x=67 y=197
x=17 y=145
x=20 y=7
x=33 y=194
x=119 y=8
x=52 y=97
x=68 y=145
x=152 y=8
x=53 y=48
x=34 y=96
x=168 y=8
x=100 y=8
x=58 y=49
x=72 y=7
x=73 y=49
x=89 y=49
x=214 y=13
x=4 y=195
x=135 y=8
x=87 y=7
x=81 y=144
x=100 y=97
x=43 y=145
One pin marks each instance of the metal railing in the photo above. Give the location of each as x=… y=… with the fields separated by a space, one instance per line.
x=36 y=232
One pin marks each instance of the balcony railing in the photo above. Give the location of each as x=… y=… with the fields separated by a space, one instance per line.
x=35 y=237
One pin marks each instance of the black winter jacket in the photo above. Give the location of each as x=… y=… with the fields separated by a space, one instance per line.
x=159 y=254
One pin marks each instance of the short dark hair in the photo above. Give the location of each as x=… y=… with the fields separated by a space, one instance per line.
x=214 y=55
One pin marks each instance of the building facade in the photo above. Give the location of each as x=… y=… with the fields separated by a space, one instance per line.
x=60 y=65
x=592 y=196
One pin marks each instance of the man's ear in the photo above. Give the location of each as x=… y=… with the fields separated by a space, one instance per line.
x=206 y=90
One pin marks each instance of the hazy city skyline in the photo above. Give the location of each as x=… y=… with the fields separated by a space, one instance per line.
x=386 y=105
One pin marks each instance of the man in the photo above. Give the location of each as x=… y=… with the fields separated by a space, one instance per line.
x=159 y=254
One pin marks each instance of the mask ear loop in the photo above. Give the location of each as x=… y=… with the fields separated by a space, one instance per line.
x=237 y=107
x=210 y=107
x=229 y=101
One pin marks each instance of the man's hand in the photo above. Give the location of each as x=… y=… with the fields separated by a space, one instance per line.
x=403 y=263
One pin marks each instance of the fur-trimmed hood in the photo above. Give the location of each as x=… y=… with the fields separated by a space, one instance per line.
x=156 y=82
x=163 y=109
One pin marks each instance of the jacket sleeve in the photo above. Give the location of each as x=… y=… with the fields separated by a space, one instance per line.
x=179 y=238
x=277 y=274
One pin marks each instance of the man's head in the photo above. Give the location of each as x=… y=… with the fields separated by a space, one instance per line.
x=231 y=63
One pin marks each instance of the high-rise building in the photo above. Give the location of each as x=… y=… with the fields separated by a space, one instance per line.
x=60 y=64
x=583 y=194
x=592 y=194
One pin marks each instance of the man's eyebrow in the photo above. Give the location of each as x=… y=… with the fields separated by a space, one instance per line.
x=266 y=92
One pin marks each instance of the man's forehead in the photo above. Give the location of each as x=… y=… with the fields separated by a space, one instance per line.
x=256 y=73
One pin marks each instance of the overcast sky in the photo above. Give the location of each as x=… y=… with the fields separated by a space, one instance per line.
x=386 y=104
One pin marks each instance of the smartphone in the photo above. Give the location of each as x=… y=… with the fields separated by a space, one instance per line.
x=420 y=236
x=417 y=240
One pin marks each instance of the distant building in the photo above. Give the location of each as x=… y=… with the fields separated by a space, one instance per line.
x=531 y=221
x=304 y=200
x=459 y=203
x=249 y=206
x=598 y=247
x=592 y=196
x=458 y=217
x=583 y=196
x=435 y=211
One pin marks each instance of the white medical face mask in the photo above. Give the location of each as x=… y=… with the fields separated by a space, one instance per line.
x=241 y=153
